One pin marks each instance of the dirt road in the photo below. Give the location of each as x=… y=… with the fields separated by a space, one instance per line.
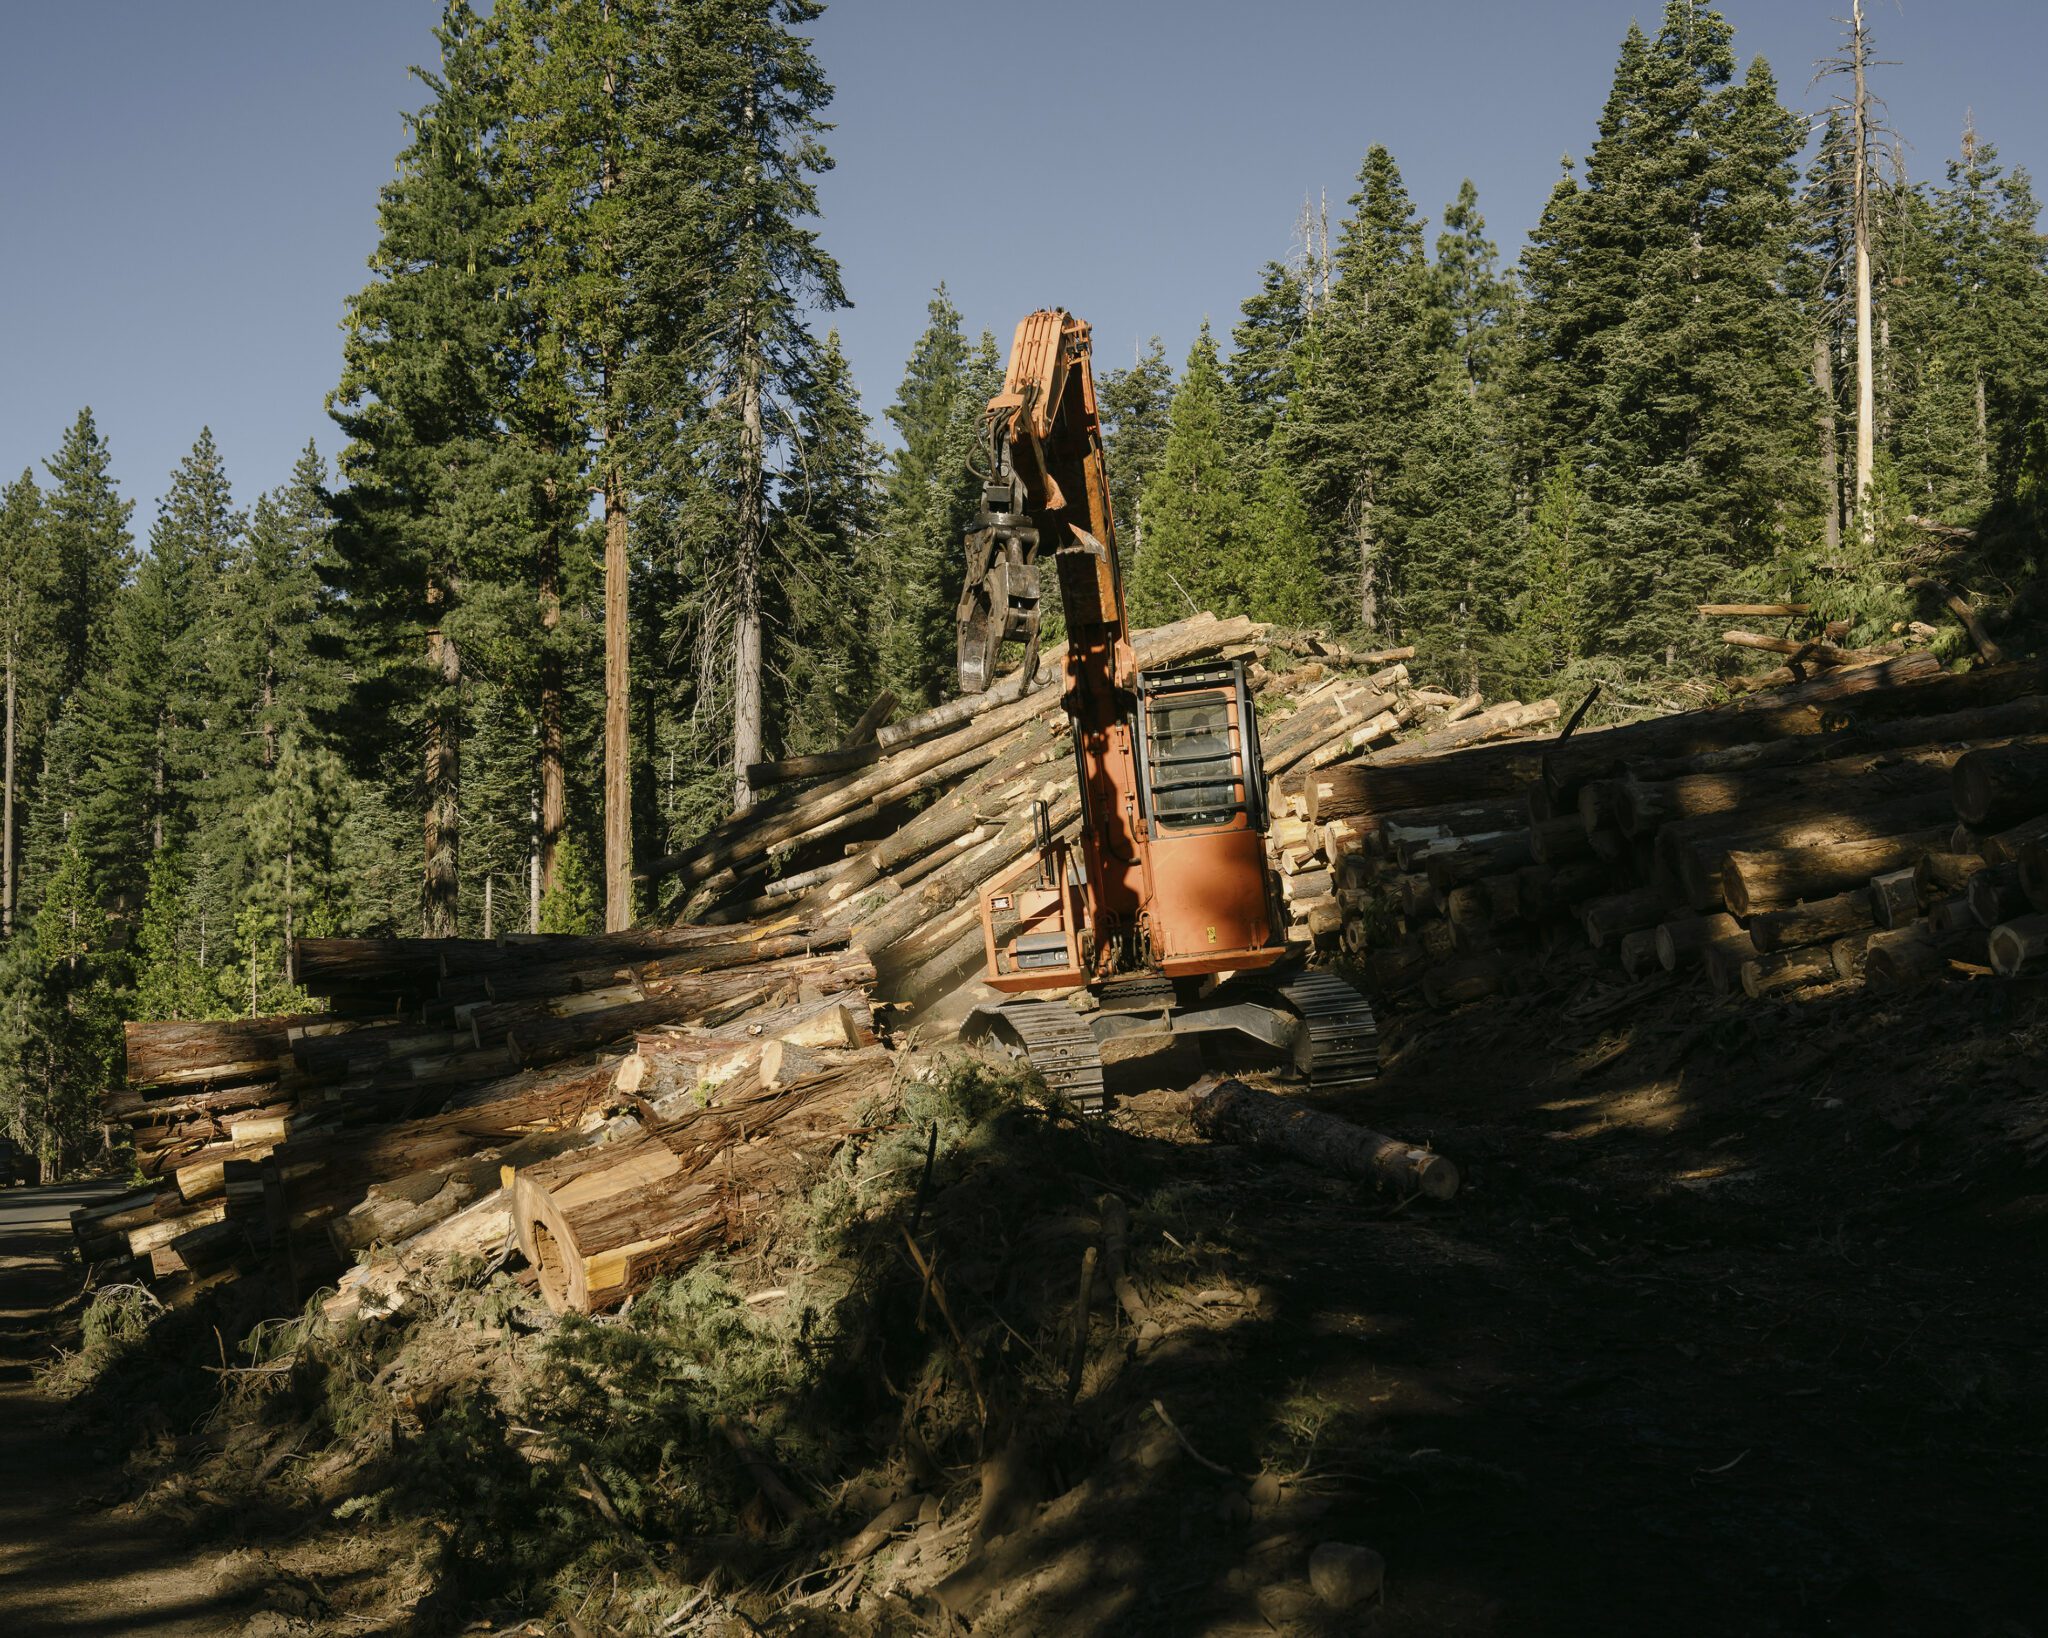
x=71 y=1564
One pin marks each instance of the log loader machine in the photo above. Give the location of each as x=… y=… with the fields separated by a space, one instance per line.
x=1167 y=917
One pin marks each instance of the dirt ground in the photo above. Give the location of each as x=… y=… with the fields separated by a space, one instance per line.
x=74 y=1563
x=1736 y=1327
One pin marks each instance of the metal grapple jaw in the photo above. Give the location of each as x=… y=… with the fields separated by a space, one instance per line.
x=999 y=600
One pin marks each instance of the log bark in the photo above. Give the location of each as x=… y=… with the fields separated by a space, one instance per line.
x=1996 y=789
x=2020 y=946
x=1768 y=975
x=1471 y=860
x=1917 y=956
x=1996 y=894
x=600 y=1226
x=1817 y=922
x=1848 y=952
x=1756 y=880
x=1692 y=852
x=1232 y=1112
x=2006 y=846
x=1607 y=919
x=1682 y=942
x=2034 y=873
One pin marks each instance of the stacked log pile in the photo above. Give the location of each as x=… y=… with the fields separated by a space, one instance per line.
x=393 y=1130
x=1883 y=823
x=615 y=1104
x=891 y=842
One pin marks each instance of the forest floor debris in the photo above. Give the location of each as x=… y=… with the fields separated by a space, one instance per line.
x=1729 y=1294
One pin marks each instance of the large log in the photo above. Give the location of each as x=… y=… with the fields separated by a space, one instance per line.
x=1767 y=975
x=1640 y=806
x=1682 y=941
x=1769 y=879
x=1691 y=852
x=2033 y=862
x=1232 y=1112
x=214 y=1051
x=1366 y=791
x=1811 y=923
x=599 y=1226
x=2019 y=946
x=2024 y=717
x=1997 y=788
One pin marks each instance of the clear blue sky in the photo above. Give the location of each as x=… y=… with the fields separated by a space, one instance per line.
x=188 y=190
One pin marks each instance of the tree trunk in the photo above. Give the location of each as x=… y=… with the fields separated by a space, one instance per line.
x=618 y=777
x=747 y=680
x=7 y=810
x=554 y=801
x=1866 y=377
x=1757 y=881
x=444 y=782
x=1810 y=923
x=1236 y=1113
x=1830 y=446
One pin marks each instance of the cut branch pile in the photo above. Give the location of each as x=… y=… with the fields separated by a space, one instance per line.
x=395 y=1130
x=1884 y=824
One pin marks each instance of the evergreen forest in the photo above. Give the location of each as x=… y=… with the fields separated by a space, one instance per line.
x=603 y=520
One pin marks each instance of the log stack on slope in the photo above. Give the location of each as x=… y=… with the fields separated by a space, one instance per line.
x=892 y=843
x=297 y=1146
x=1883 y=823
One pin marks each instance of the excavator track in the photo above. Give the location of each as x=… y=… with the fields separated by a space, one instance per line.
x=1053 y=1038
x=1343 y=1039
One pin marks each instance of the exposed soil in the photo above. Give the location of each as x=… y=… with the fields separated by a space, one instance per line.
x=1737 y=1326
x=72 y=1563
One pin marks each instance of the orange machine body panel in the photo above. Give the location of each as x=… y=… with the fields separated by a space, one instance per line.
x=1173 y=876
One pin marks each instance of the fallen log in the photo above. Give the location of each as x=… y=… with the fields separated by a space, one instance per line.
x=1997 y=788
x=1848 y=952
x=1820 y=921
x=1682 y=941
x=1765 y=880
x=2034 y=873
x=1995 y=894
x=600 y=1226
x=1918 y=956
x=1895 y=896
x=1768 y=975
x=1232 y=1112
x=1607 y=919
x=2019 y=946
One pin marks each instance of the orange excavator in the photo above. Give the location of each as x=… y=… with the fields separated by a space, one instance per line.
x=1168 y=919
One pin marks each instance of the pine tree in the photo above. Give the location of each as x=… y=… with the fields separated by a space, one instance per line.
x=1662 y=355
x=1201 y=550
x=63 y=1033
x=1552 y=626
x=929 y=493
x=419 y=401
x=569 y=159
x=147 y=710
x=726 y=268
x=1135 y=409
x=89 y=547
x=28 y=664
x=820 y=639
x=1348 y=432
x=1266 y=357
x=1469 y=292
